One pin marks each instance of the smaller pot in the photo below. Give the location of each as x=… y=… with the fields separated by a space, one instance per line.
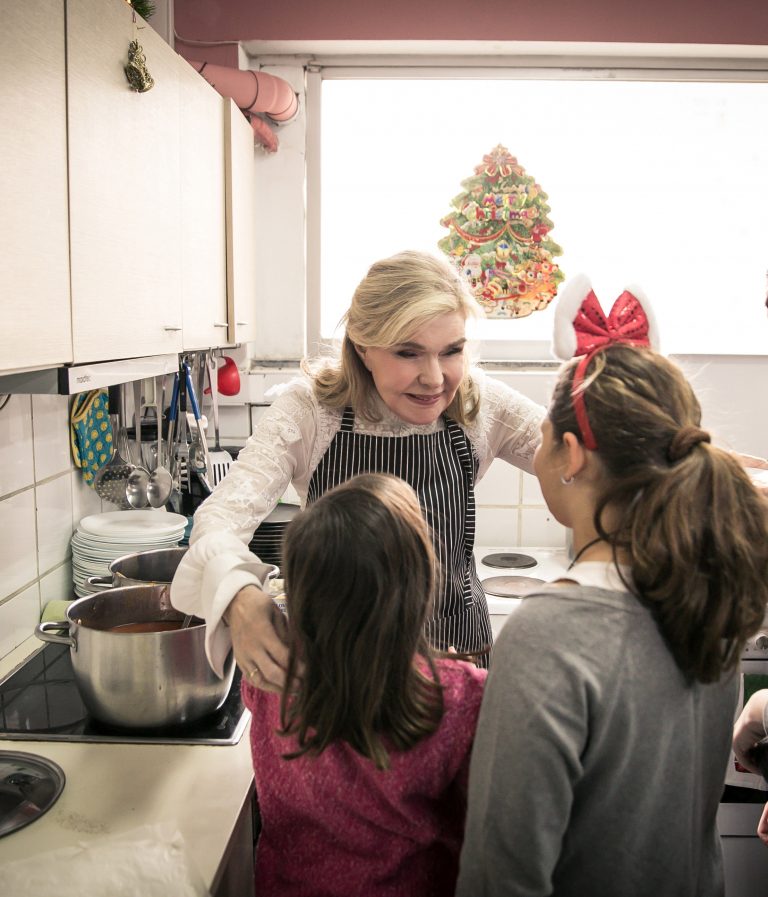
x=156 y=567
x=139 y=679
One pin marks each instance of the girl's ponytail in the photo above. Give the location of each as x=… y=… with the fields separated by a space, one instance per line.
x=692 y=524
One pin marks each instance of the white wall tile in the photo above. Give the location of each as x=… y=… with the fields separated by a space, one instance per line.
x=50 y=424
x=532 y=490
x=500 y=486
x=84 y=500
x=16 y=453
x=54 y=522
x=18 y=618
x=496 y=527
x=234 y=425
x=539 y=529
x=18 y=546
x=57 y=585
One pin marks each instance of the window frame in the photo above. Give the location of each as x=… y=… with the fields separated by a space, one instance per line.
x=691 y=63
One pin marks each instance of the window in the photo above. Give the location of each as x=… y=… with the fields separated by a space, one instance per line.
x=658 y=182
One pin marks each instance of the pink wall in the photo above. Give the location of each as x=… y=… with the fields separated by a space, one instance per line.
x=641 y=21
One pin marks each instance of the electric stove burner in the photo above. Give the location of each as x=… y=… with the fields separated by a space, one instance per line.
x=511 y=586
x=40 y=701
x=509 y=559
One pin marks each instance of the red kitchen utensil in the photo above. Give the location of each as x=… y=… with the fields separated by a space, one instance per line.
x=228 y=377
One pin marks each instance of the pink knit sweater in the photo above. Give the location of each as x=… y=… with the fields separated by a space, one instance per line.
x=335 y=826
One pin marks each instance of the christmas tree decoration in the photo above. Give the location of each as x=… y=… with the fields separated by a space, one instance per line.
x=499 y=238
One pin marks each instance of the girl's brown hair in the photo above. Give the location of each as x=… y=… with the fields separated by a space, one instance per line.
x=397 y=297
x=692 y=524
x=359 y=575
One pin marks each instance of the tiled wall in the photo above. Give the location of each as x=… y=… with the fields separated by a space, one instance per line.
x=42 y=495
x=41 y=500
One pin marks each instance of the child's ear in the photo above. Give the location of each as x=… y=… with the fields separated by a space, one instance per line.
x=576 y=455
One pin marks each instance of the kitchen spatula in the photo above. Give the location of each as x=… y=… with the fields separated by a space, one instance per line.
x=220 y=458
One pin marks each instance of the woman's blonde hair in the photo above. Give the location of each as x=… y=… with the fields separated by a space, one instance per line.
x=397 y=297
x=692 y=524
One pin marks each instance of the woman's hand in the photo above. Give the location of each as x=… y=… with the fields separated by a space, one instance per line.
x=749 y=729
x=259 y=635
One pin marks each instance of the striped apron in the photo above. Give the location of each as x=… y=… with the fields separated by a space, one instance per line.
x=441 y=469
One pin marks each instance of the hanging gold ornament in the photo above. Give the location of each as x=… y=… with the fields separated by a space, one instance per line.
x=136 y=69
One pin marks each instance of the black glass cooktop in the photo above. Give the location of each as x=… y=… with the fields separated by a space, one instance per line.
x=40 y=701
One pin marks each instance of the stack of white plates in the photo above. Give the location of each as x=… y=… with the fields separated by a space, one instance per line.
x=101 y=538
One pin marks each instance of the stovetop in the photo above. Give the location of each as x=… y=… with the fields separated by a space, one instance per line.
x=39 y=701
x=549 y=564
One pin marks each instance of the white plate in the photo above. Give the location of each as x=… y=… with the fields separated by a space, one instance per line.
x=122 y=525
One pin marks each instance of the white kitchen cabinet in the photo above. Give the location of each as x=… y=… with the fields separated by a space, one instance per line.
x=203 y=231
x=241 y=225
x=125 y=187
x=34 y=247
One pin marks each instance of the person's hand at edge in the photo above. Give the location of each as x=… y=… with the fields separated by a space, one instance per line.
x=750 y=729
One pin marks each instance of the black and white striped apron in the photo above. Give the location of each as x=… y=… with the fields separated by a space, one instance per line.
x=441 y=469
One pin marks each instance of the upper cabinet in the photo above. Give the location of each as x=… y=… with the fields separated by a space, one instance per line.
x=203 y=232
x=241 y=225
x=128 y=216
x=124 y=179
x=34 y=247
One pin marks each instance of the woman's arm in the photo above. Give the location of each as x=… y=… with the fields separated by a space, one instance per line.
x=511 y=424
x=219 y=564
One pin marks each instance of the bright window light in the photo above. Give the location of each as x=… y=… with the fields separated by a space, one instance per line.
x=663 y=184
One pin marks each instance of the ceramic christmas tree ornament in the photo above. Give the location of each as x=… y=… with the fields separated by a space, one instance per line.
x=499 y=238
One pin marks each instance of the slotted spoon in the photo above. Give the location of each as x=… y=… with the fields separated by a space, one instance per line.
x=111 y=480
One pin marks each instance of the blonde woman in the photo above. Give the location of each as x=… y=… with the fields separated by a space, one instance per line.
x=401 y=399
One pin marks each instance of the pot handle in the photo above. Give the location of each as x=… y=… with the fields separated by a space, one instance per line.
x=43 y=633
x=100 y=582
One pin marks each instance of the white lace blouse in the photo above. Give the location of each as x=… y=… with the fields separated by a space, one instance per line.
x=290 y=439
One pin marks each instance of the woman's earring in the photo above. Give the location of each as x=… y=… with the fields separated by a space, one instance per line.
x=566 y=481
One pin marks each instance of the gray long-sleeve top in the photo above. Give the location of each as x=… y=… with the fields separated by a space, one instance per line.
x=597 y=770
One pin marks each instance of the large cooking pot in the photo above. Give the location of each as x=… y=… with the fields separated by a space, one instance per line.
x=155 y=567
x=130 y=678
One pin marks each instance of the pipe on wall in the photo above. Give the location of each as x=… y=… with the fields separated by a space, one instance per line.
x=255 y=93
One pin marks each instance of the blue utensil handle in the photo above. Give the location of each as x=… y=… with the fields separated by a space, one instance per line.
x=174 y=407
x=191 y=392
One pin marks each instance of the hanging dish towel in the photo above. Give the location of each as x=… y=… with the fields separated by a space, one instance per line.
x=90 y=432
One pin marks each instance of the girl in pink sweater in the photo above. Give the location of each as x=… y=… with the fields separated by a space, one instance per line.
x=361 y=767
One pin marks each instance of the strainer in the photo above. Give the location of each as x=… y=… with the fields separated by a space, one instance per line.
x=111 y=480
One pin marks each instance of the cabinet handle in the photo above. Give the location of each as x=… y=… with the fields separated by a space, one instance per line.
x=220 y=324
x=242 y=323
x=171 y=329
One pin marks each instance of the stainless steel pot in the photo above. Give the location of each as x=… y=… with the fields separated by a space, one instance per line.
x=150 y=567
x=138 y=679
x=141 y=568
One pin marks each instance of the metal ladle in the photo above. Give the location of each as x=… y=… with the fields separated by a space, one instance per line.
x=138 y=481
x=160 y=483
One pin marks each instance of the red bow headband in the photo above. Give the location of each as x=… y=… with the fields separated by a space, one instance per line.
x=582 y=329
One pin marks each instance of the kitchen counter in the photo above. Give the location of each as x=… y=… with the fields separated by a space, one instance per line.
x=204 y=791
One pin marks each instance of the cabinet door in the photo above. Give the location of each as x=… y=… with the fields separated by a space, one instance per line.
x=124 y=187
x=203 y=233
x=241 y=225
x=34 y=247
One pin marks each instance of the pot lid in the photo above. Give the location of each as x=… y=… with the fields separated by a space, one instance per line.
x=29 y=786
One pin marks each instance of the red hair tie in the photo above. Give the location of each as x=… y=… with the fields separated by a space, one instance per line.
x=582 y=329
